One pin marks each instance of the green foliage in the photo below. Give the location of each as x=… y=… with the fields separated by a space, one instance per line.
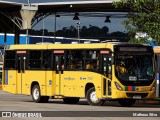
x=133 y=40
x=143 y=16
x=91 y=32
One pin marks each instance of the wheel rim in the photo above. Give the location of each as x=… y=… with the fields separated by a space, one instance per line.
x=36 y=94
x=93 y=97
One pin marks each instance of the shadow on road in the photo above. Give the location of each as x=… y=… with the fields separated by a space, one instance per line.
x=107 y=103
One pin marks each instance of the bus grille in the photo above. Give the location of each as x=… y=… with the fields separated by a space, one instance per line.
x=143 y=95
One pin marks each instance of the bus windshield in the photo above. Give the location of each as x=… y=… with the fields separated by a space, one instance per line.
x=134 y=67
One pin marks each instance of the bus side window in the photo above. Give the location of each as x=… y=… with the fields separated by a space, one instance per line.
x=10 y=60
x=46 y=59
x=76 y=61
x=35 y=59
x=92 y=60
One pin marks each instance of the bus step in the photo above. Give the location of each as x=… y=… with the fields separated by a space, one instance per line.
x=57 y=96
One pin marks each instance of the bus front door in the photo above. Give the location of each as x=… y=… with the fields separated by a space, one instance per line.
x=21 y=65
x=59 y=60
x=106 y=65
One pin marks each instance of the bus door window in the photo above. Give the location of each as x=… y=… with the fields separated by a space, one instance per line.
x=106 y=63
x=59 y=60
x=21 y=56
x=59 y=63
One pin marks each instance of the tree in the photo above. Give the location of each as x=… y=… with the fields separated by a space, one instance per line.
x=122 y=37
x=143 y=16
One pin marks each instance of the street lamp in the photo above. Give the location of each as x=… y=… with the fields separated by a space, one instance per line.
x=55 y=26
x=78 y=29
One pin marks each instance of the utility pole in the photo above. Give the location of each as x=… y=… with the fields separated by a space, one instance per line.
x=55 y=28
x=28 y=2
x=27 y=28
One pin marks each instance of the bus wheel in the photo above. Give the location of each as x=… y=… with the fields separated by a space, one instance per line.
x=36 y=95
x=92 y=99
x=126 y=102
x=71 y=100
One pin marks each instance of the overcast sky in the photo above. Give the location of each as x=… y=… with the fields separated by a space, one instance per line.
x=66 y=21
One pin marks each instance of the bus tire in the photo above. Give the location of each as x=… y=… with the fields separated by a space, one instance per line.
x=126 y=102
x=36 y=94
x=92 y=99
x=71 y=100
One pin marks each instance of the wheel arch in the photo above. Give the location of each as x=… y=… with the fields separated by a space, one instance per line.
x=33 y=84
x=88 y=86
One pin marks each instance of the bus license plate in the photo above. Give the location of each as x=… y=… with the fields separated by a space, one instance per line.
x=137 y=97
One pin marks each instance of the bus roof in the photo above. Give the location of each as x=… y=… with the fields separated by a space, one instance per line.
x=59 y=46
x=70 y=46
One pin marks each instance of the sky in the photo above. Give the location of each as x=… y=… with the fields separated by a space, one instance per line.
x=66 y=21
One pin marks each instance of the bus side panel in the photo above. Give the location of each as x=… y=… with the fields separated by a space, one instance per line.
x=75 y=82
x=44 y=79
x=50 y=83
x=9 y=84
x=19 y=82
x=68 y=81
x=31 y=76
x=27 y=80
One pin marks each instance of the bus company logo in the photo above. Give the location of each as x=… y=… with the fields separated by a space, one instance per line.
x=82 y=78
x=69 y=78
x=6 y=114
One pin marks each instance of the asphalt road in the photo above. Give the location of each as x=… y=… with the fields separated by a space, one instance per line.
x=24 y=107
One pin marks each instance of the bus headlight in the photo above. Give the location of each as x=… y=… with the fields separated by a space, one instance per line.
x=118 y=86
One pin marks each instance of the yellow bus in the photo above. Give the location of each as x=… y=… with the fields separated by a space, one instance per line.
x=97 y=72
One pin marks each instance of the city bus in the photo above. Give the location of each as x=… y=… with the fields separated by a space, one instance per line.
x=116 y=71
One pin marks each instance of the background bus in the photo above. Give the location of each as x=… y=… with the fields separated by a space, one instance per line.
x=97 y=72
x=157 y=69
x=1 y=64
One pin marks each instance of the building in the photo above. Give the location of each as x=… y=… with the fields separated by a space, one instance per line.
x=9 y=39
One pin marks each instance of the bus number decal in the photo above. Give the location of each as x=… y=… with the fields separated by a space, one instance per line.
x=104 y=52
x=21 y=52
x=58 y=51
